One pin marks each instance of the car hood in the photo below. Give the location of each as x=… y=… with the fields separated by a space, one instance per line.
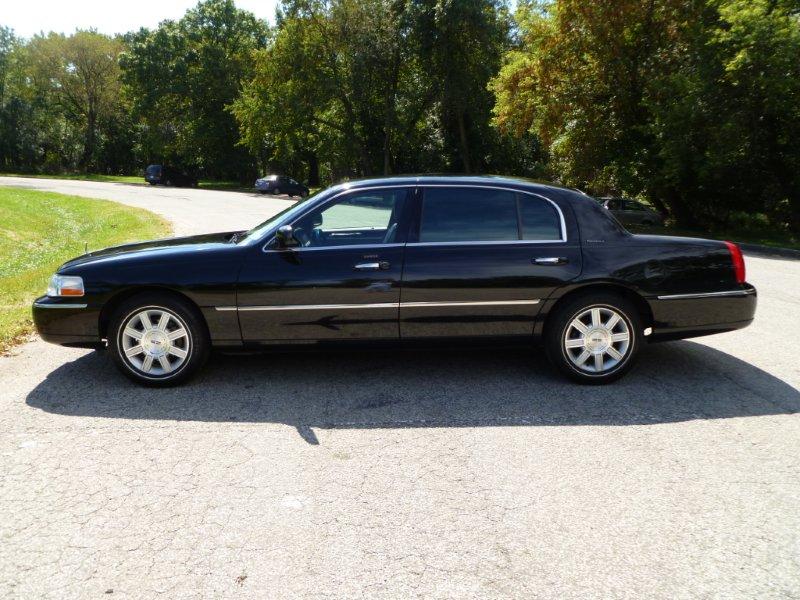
x=155 y=249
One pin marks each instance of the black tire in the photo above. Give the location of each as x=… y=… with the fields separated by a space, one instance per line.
x=559 y=332
x=152 y=182
x=168 y=182
x=195 y=344
x=276 y=191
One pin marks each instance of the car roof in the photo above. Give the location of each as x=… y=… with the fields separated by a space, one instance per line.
x=491 y=180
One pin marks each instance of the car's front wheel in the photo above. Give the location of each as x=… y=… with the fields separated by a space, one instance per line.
x=158 y=340
x=594 y=338
x=276 y=191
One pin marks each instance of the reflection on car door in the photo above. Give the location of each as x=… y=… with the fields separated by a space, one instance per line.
x=481 y=261
x=342 y=282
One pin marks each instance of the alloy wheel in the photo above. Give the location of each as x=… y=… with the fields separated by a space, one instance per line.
x=597 y=340
x=155 y=342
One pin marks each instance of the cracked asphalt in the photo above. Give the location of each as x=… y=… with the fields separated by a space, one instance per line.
x=446 y=474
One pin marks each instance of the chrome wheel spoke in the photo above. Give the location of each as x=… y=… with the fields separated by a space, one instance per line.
x=164 y=362
x=583 y=357
x=620 y=337
x=614 y=353
x=179 y=352
x=596 y=320
x=612 y=321
x=144 y=319
x=163 y=322
x=133 y=333
x=147 y=363
x=598 y=362
x=133 y=350
x=177 y=334
x=578 y=324
x=575 y=343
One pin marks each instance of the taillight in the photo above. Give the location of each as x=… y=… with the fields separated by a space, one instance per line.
x=738 y=261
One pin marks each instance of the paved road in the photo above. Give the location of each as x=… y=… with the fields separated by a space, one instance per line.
x=437 y=475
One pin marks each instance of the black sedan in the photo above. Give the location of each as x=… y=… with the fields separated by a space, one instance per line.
x=403 y=260
x=280 y=184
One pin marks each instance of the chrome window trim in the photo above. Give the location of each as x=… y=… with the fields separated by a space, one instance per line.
x=708 y=295
x=562 y=221
x=377 y=305
x=46 y=305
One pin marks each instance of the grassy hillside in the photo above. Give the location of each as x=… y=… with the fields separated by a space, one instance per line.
x=41 y=230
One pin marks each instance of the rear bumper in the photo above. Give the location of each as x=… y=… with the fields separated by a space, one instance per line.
x=67 y=322
x=690 y=315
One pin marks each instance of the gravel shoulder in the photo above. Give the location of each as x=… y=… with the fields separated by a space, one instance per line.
x=447 y=474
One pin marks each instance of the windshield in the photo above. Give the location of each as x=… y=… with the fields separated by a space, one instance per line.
x=259 y=231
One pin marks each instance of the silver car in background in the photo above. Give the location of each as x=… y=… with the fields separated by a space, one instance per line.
x=632 y=212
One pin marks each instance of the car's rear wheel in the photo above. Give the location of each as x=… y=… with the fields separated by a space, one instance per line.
x=158 y=340
x=594 y=338
x=276 y=191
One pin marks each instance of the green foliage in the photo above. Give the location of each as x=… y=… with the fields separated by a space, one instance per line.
x=692 y=105
x=41 y=230
x=181 y=78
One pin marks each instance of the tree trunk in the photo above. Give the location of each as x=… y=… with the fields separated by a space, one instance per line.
x=464 y=142
x=89 y=141
x=313 y=169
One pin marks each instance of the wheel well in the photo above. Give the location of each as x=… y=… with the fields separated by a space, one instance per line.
x=116 y=300
x=642 y=307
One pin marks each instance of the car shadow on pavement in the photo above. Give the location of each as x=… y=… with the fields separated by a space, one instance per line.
x=675 y=381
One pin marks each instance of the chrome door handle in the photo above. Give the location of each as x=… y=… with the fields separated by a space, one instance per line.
x=550 y=260
x=372 y=266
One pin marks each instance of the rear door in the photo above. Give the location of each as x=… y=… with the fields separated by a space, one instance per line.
x=480 y=262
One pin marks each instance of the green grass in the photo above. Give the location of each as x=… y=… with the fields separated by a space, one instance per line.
x=83 y=177
x=776 y=239
x=41 y=230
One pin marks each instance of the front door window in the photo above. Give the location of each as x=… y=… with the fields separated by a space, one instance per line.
x=369 y=217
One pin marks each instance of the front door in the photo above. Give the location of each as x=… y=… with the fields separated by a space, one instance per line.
x=482 y=262
x=342 y=281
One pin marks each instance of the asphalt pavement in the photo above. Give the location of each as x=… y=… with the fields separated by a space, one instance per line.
x=441 y=474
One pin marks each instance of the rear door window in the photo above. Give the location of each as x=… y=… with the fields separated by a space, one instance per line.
x=453 y=214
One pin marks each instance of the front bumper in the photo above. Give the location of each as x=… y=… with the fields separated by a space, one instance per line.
x=690 y=315
x=67 y=322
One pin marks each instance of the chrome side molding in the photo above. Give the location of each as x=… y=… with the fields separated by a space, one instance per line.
x=377 y=305
x=708 y=295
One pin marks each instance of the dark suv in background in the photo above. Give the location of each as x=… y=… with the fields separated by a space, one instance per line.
x=281 y=184
x=165 y=175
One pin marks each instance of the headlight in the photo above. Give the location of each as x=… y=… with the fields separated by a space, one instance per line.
x=65 y=285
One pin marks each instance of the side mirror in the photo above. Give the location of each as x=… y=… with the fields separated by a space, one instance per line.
x=285 y=237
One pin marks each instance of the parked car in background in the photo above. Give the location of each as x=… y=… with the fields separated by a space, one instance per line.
x=631 y=212
x=405 y=260
x=281 y=184
x=155 y=174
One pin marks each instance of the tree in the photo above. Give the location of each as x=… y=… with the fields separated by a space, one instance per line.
x=689 y=104
x=80 y=75
x=183 y=76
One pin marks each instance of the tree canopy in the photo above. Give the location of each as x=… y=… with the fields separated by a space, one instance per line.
x=691 y=105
